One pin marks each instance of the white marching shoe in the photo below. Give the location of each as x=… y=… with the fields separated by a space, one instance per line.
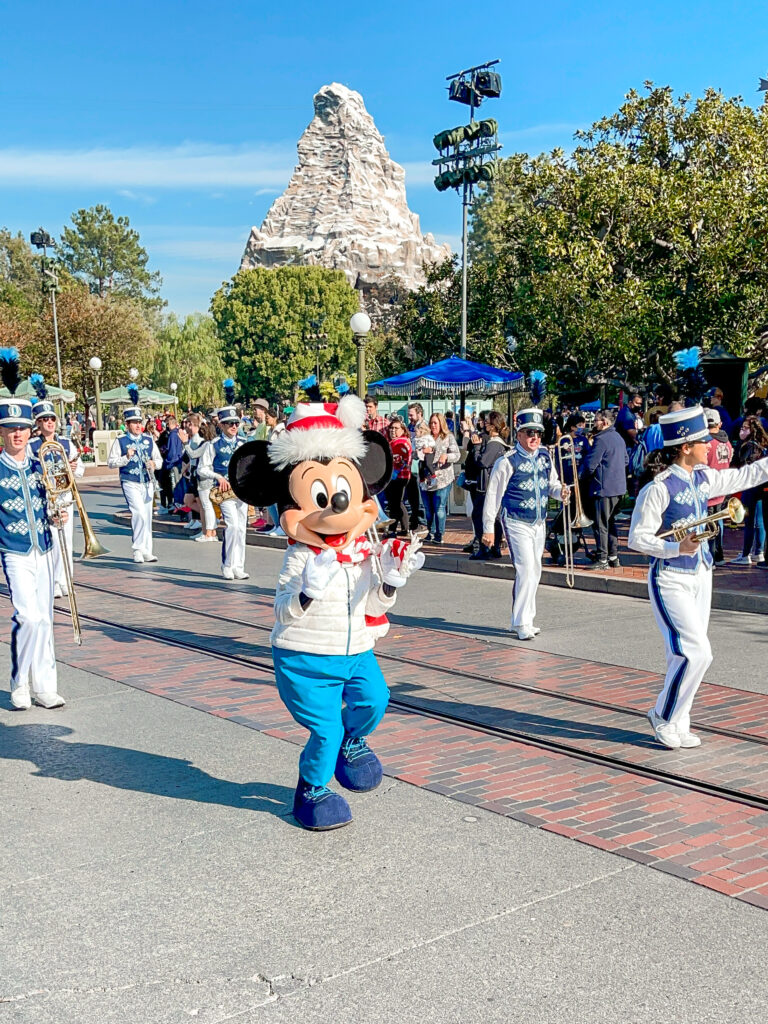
x=57 y=591
x=21 y=699
x=227 y=573
x=688 y=739
x=240 y=574
x=666 y=733
x=149 y=558
x=137 y=556
x=49 y=700
x=204 y=539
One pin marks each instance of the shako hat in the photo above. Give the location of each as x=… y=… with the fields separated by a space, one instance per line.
x=228 y=413
x=321 y=430
x=684 y=426
x=43 y=406
x=531 y=419
x=132 y=412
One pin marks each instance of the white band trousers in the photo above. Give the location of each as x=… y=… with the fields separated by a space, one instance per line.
x=30 y=581
x=139 y=498
x=209 y=515
x=681 y=603
x=235 y=515
x=526 y=546
x=69 y=534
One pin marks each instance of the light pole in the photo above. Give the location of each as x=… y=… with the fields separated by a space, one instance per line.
x=95 y=364
x=360 y=325
x=174 y=389
x=42 y=240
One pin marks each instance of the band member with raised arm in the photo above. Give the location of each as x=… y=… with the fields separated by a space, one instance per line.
x=137 y=457
x=675 y=490
x=26 y=550
x=213 y=465
x=46 y=421
x=519 y=489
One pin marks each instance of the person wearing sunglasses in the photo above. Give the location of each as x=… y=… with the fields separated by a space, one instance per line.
x=46 y=422
x=519 y=489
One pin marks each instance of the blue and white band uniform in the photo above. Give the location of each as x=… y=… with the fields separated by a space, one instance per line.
x=137 y=483
x=519 y=488
x=212 y=467
x=78 y=470
x=26 y=550
x=680 y=586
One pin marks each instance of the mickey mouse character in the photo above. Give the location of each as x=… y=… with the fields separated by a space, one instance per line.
x=333 y=592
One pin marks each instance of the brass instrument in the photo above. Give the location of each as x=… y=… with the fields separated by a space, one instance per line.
x=560 y=452
x=59 y=482
x=734 y=511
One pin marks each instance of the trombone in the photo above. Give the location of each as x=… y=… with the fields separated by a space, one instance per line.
x=59 y=482
x=561 y=452
x=734 y=511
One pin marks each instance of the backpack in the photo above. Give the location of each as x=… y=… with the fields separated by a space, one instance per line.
x=637 y=456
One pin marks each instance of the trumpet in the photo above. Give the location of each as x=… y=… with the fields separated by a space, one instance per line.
x=734 y=511
x=59 y=482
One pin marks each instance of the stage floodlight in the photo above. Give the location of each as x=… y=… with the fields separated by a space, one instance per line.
x=488 y=83
x=462 y=92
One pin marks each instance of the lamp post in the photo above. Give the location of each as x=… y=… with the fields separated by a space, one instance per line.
x=174 y=389
x=360 y=325
x=95 y=364
x=133 y=373
x=42 y=240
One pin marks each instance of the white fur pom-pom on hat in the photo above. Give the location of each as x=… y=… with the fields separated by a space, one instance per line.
x=321 y=430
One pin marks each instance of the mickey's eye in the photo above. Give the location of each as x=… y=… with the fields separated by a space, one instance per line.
x=319 y=494
x=343 y=485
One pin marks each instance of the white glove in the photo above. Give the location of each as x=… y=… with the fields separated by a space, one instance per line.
x=399 y=559
x=318 y=573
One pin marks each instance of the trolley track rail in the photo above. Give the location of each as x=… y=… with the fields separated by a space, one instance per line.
x=421 y=708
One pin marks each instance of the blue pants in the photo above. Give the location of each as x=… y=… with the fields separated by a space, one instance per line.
x=436 y=509
x=330 y=695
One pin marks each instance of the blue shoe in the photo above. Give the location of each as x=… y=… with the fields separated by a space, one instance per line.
x=357 y=767
x=318 y=808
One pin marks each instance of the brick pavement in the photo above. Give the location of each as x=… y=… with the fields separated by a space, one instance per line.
x=712 y=841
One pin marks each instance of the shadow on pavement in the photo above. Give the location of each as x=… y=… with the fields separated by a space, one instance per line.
x=44 y=745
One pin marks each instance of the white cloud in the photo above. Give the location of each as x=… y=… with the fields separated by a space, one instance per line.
x=190 y=165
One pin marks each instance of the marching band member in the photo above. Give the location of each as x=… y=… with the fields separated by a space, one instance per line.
x=46 y=420
x=520 y=486
x=213 y=465
x=26 y=550
x=678 y=485
x=137 y=457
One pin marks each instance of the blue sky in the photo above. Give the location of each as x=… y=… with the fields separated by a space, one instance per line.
x=185 y=116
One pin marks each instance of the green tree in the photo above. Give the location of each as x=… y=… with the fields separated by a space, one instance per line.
x=189 y=353
x=20 y=281
x=649 y=238
x=114 y=328
x=264 y=319
x=107 y=255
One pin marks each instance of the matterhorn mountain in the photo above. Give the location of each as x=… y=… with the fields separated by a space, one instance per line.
x=345 y=205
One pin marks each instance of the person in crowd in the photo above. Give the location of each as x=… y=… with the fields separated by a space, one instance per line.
x=485 y=453
x=519 y=488
x=574 y=440
x=26 y=547
x=551 y=431
x=193 y=442
x=450 y=422
x=208 y=535
x=629 y=420
x=753 y=446
x=716 y=402
x=469 y=431
x=260 y=428
x=373 y=421
x=173 y=454
x=754 y=406
x=275 y=427
x=606 y=462
x=437 y=453
x=137 y=457
x=652 y=436
x=416 y=423
x=659 y=402
x=719 y=456
x=676 y=489
x=402 y=454
x=213 y=466
x=46 y=420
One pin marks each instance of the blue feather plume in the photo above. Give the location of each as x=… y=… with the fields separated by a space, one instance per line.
x=38 y=383
x=9 y=368
x=343 y=388
x=688 y=358
x=691 y=381
x=133 y=393
x=308 y=382
x=537 y=385
x=229 y=390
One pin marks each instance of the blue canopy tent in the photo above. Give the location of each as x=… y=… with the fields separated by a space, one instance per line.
x=449 y=376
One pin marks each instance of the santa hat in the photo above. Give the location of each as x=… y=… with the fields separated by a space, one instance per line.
x=321 y=430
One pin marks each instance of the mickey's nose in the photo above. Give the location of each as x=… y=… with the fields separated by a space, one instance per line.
x=340 y=501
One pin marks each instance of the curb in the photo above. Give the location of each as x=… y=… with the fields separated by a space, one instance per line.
x=722 y=600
